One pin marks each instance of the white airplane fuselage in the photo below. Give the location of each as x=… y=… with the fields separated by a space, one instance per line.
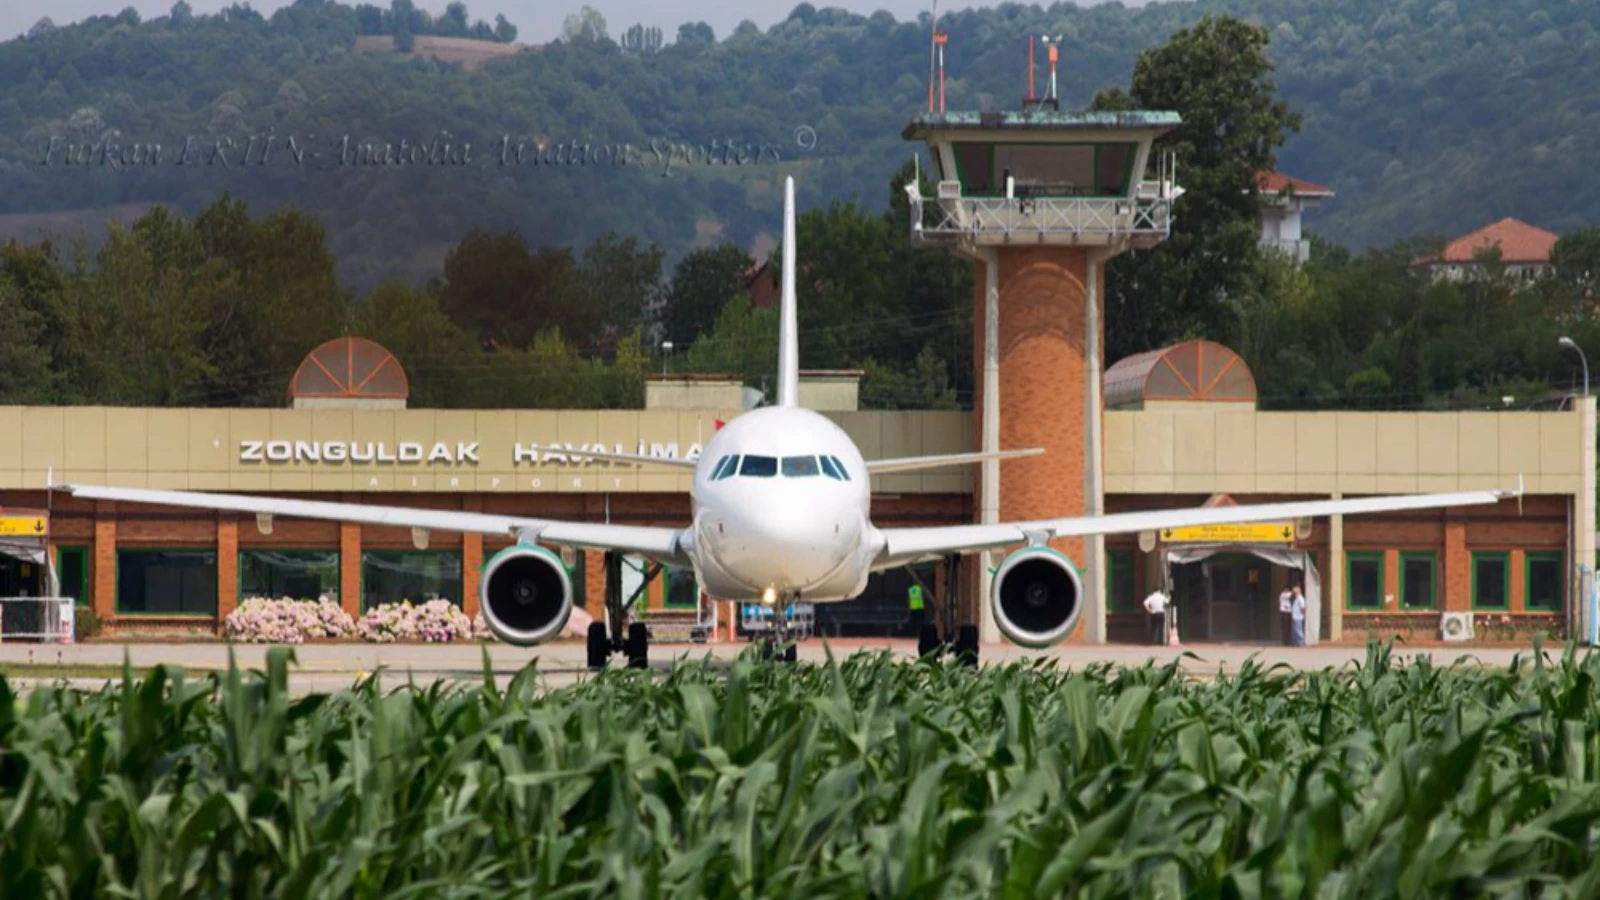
x=791 y=520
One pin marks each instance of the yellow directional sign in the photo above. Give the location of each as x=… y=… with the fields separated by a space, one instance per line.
x=1255 y=533
x=19 y=526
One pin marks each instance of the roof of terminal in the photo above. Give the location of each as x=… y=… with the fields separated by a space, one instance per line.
x=1041 y=120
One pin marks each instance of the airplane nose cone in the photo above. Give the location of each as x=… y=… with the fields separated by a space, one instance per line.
x=789 y=551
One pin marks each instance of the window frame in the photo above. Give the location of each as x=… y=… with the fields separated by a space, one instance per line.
x=338 y=558
x=829 y=469
x=1350 y=558
x=1433 y=579
x=61 y=550
x=116 y=589
x=1528 y=559
x=1504 y=556
x=362 y=599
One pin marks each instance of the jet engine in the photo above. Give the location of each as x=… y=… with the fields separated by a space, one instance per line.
x=526 y=595
x=1037 y=597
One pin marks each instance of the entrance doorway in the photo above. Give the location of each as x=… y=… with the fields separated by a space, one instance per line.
x=1227 y=597
x=20 y=578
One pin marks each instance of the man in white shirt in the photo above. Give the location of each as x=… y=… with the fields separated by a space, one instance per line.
x=1285 y=620
x=1156 y=606
x=1297 y=613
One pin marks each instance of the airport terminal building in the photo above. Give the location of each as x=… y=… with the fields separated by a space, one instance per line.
x=1181 y=429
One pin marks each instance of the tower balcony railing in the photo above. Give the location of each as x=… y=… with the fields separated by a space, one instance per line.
x=1146 y=217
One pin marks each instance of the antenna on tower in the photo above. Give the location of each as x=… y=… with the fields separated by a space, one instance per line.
x=940 y=38
x=1032 y=99
x=933 y=52
x=1055 y=56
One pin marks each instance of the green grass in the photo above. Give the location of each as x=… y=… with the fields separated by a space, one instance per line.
x=865 y=778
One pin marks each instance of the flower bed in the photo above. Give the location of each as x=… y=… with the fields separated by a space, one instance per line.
x=260 y=620
x=435 y=621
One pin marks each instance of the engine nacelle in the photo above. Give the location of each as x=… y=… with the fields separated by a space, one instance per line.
x=1037 y=597
x=526 y=595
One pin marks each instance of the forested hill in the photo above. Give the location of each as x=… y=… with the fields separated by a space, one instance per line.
x=1424 y=115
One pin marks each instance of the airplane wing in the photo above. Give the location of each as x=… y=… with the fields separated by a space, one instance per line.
x=906 y=545
x=912 y=463
x=629 y=458
x=657 y=543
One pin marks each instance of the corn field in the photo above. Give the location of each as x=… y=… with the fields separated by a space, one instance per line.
x=865 y=778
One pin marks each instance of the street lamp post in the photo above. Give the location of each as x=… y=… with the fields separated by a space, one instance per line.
x=1571 y=344
x=666 y=351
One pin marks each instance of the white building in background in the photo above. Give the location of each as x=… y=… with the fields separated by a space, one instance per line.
x=1283 y=199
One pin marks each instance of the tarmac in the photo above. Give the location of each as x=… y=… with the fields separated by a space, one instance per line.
x=325 y=667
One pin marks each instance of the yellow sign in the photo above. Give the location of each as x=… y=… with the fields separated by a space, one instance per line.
x=19 y=526
x=1255 y=533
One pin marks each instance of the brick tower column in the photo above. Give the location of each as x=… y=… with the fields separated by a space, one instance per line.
x=1041 y=351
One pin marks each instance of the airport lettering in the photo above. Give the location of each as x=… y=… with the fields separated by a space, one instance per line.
x=460 y=453
x=409 y=452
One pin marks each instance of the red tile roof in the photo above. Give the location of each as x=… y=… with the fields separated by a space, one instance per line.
x=1275 y=182
x=1518 y=241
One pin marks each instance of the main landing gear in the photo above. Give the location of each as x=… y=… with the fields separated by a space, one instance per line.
x=631 y=639
x=929 y=645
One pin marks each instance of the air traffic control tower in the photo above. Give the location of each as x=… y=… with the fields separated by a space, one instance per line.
x=1039 y=200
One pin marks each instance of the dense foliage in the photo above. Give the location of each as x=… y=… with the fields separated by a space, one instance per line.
x=1424 y=116
x=865 y=778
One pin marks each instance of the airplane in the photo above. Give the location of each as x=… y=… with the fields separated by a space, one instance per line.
x=780 y=514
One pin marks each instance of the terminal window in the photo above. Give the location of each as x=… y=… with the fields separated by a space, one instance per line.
x=167 y=582
x=297 y=574
x=72 y=572
x=1417 y=584
x=1546 y=584
x=415 y=575
x=1364 y=581
x=1489 y=580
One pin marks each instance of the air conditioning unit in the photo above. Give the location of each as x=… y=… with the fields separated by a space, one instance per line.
x=1456 y=626
x=949 y=190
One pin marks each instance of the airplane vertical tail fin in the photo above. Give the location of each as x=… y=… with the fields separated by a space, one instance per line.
x=788 y=320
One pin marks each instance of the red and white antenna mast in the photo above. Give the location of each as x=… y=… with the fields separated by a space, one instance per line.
x=1055 y=56
x=933 y=53
x=940 y=38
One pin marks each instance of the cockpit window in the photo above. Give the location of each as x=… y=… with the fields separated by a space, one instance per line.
x=829 y=470
x=800 y=467
x=844 y=474
x=725 y=468
x=759 y=466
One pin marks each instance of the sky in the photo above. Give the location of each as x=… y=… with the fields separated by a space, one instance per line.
x=537 y=22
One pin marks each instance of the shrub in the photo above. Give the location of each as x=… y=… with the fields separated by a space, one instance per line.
x=86 y=622
x=259 y=620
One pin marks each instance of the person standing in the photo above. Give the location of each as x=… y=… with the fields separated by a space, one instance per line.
x=1297 y=612
x=915 y=603
x=1285 y=617
x=1156 y=606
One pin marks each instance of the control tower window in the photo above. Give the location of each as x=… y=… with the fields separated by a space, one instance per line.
x=1113 y=165
x=975 y=165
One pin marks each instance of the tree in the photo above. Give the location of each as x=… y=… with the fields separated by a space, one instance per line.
x=26 y=375
x=182 y=15
x=370 y=19
x=585 y=25
x=622 y=278
x=454 y=22
x=1576 y=261
x=504 y=31
x=702 y=284
x=696 y=34
x=1216 y=75
x=42 y=28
